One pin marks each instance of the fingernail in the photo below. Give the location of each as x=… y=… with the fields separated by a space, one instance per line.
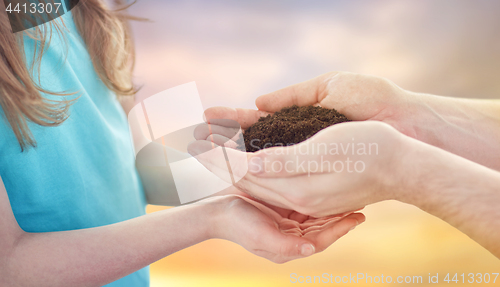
x=255 y=165
x=307 y=249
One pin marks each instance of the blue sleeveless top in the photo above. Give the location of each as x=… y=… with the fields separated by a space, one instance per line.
x=82 y=173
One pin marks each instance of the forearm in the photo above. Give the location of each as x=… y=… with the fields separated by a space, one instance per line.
x=466 y=127
x=97 y=256
x=461 y=192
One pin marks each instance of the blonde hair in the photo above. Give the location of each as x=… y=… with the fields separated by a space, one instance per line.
x=108 y=39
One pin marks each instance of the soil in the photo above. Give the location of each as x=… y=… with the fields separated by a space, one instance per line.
x=289 y=126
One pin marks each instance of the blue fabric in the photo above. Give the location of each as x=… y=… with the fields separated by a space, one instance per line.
x=82 y=173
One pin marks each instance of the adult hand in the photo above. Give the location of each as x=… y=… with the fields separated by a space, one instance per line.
x=460 y=192
x=455 y=189
x=275 y=234
x=341 y=168
x=359 y=97
x=469 y=128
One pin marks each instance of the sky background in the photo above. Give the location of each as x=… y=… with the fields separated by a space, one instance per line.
x=238 y=50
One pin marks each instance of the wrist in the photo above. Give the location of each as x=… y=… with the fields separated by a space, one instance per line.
x=419 y=117
x=214 y=215
x=456 y=190
x=201 y=217
x=434 y=179
x=416 y=167
x=397 y=162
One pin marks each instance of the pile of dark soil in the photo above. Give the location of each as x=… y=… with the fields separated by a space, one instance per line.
x=289 y=126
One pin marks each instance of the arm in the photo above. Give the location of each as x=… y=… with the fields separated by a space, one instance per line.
x=97 y=256
x=456 y=189
x=466 y=127
x=460 y=192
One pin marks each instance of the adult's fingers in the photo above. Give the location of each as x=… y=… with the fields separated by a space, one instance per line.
x=301 y=94
x=319 y=154
x=245 y=117
x=305 y=194
x=223 y=141
x=217 y=158
x=203 y=131
x=231 y=166
x=207 y=151
x=287 y=162
x=263 y=194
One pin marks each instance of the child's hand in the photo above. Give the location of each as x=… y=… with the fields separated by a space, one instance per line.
x=276 y=234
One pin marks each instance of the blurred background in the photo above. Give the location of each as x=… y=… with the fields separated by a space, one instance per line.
x=238 y=50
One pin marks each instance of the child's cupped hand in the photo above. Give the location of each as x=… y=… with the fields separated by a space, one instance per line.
x=277 y=234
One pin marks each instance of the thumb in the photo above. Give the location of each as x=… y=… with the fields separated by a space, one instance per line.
x=301 y=94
